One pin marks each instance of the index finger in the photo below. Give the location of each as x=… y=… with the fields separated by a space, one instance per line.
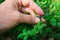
x=36 y=8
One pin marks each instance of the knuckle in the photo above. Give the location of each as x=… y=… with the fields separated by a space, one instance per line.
x=25 y=2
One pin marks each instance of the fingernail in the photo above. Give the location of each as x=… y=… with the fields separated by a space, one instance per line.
x=37 y=20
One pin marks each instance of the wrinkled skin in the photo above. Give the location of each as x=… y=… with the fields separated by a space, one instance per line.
x=10 y=14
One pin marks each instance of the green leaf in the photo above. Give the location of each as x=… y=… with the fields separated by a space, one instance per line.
x=53 y=22
x=58 y=24
x=1 y=1
x=25 y=38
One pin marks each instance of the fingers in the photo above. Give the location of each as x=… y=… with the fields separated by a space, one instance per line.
x=26 y=9
x=25 y=2
x=32 y=5
x=36 y=8
x=23 y=18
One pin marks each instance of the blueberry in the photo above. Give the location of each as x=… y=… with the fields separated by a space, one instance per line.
x=39 y=17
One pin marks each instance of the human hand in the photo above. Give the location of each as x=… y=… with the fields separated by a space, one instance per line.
x=11 y=15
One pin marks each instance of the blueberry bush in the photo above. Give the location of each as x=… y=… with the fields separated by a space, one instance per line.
x=41 y=31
